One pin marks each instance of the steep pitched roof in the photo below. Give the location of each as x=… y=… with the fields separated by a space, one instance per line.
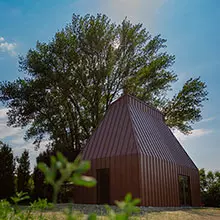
x=114 y=136
x=133 y=127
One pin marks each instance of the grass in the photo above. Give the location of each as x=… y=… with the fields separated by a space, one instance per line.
x=191 y=214
x=186 y=214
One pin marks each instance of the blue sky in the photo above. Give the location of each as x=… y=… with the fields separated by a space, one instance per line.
x=192 y=33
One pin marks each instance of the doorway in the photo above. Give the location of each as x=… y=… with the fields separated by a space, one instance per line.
x=184 y=190
x=103 y=186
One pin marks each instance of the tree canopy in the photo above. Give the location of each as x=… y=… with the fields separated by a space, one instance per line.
x=70 y=81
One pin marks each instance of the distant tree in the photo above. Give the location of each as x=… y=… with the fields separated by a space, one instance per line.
x=42 y=190
x=7 y=168
x=203 y=180
x=23 y=172
x=210 y=187
x=71 y=81
x=31 y=185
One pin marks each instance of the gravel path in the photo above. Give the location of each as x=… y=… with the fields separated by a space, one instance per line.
x=100 y=209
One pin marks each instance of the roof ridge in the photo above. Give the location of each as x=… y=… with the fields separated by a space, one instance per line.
x=139 y=100
x=146 y=104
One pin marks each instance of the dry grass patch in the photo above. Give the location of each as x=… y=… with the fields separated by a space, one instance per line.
x=191 y=214
x=188 y=214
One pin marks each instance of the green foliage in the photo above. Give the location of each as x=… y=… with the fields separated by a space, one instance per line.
x=31 y=184
x=127 y=208
x=92 y=216
x=185 y=107
x=42 y=190
x=70 y=215
x=41 y=204
x=70 y=82
x=23 y=172
x=210 y=188
x=7 y=167
x=5 y=210
x=19 y=196
x=68 y=172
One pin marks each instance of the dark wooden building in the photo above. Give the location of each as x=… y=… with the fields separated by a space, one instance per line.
x=134 y=151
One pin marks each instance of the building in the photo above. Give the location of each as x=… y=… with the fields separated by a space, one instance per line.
x=133 y=150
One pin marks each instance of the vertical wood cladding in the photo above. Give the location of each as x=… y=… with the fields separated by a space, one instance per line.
x=142 y=155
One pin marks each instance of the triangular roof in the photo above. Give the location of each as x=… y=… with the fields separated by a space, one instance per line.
x=133 y=127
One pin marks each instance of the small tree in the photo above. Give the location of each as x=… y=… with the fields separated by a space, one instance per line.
x=23 y=172
x=7 y=167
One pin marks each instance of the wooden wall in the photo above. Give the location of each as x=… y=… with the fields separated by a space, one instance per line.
x=152 y=180
x=159 y=182
x=124 y=178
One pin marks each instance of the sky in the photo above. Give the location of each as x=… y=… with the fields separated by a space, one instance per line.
x=191 y=30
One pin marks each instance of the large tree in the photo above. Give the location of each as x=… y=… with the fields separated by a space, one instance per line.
x=70 y=82
x=23 y=172
x=7 y=167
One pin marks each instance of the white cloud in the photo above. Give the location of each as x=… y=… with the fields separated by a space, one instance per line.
x=6 y=131
x=200 y=132
x=7 y=47
x=208 y=119
x=144 y=11
x=14 y=138
x=3 y=113
x=194 y=134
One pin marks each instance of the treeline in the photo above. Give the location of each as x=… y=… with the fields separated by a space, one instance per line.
x=16 y=175
x=14 y=172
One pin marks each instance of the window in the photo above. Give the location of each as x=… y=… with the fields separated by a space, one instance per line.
x=184 y=190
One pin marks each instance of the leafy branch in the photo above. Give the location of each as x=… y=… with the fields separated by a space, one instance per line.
x=72 y=172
